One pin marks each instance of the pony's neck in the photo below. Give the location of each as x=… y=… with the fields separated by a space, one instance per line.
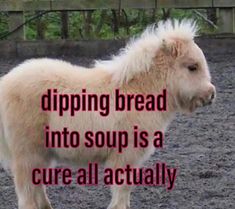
x=153 y=82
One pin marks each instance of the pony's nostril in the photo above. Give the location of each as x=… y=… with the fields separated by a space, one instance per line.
x=212 y=95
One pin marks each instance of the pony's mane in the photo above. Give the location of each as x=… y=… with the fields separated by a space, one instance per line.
x=138 y=54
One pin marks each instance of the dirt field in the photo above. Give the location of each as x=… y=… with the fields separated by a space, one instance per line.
x=202 y=146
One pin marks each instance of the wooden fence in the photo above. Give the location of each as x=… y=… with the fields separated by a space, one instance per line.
x=16 y=9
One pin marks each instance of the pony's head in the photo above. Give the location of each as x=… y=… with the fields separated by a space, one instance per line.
x=167 y=53
x=189 y=79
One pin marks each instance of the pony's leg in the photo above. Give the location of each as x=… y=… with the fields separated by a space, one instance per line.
x=121 y=193
x=30 y=196
x=120 y=197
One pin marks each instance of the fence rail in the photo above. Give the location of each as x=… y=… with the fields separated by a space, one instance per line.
x=16 y=9
x=71 y=5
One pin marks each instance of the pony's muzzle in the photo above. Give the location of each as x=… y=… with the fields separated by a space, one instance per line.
x=209 y=96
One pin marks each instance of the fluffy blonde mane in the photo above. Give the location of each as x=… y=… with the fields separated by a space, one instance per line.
x=138 y=55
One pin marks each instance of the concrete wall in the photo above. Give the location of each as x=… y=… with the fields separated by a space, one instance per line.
x=91 y=49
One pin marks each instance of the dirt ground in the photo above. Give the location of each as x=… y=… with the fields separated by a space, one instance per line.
x=202 y=146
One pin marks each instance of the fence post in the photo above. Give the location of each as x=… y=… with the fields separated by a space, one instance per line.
x=64 y=25
x=16 y=19
x=227 y=20
x=40 y=26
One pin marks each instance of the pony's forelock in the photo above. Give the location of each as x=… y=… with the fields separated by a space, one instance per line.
x=138 y=54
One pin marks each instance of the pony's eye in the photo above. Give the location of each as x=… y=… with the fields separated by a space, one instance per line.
x=193 y=68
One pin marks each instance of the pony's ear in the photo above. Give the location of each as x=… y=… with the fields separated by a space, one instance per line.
x=172 y=47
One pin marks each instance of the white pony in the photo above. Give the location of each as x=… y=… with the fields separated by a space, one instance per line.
x=163 y=57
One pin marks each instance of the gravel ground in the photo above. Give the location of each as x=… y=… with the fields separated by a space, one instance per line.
x=202 y=146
